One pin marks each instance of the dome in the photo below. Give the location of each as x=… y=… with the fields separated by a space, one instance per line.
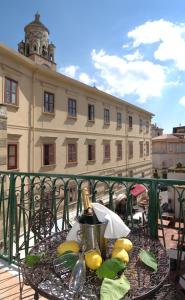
x=36 y=24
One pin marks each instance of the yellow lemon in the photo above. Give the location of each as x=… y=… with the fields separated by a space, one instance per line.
x=68 y=246
x=121 y=254
x=93 y=259
x=124 y=244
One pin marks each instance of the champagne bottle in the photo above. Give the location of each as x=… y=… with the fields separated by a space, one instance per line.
x=88 y=216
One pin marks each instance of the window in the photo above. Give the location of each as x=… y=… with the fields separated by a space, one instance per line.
x=147 y=149
x=91 y=112
x=130 y=149
x=48 y=154
x=11 y=91
x=72 y=153
x=12 y=156
x=72 y=108
x=91 y=152
x=140 y=125
x=141 y=149
x=107 y=151
x=119 y=151
x=130 y=122
x=119 y=119
x=106 y=116
x=49 y=99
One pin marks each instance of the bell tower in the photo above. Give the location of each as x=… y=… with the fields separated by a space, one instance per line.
x=36 y=44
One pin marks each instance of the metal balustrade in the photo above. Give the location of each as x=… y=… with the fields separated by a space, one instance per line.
x=22 y=195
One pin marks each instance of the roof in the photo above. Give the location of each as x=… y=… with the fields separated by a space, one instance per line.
x=36 y=23
x=165 y=137
x=137 y=190
x=73 y=82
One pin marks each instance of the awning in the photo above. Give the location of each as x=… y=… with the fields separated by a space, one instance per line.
x=137 y=190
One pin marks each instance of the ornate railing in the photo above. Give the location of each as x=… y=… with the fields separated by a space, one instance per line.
x=22 y=195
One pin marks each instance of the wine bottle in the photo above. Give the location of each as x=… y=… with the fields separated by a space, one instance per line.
x=88 y=216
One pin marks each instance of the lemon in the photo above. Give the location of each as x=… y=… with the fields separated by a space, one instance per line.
x=121 y=254
x=124 y=244
x=93 y=259
x=68 y=246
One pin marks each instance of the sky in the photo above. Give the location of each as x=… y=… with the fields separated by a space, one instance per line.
x=132 y=49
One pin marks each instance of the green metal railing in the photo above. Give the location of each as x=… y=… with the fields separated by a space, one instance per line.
x=22 y=195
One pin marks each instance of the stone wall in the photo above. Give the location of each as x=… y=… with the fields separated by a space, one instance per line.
x=3 y=138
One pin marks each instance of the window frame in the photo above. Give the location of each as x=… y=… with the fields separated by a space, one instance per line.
x=130 y=149
x=53 y=154
x=91 y=112
x=130 y=122
x=47 y=107
x=73 y=154
x=141 y=149
x=107 y=152
x=11 y=93
x=15 y=166
x=147 y=148
x=72 y=108
x=106 y=116
x=119 y=151
x=91 y=153
x=119 y=119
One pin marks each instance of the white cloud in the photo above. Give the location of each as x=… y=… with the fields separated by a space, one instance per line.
x=142 y=78
x=182 y=101
x=135 y=56
x=69 y=70
x=167 y=34
x=85 y=78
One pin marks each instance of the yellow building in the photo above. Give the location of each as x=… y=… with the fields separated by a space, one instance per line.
x=57 y=124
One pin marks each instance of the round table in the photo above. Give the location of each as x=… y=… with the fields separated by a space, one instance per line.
x=144 y=282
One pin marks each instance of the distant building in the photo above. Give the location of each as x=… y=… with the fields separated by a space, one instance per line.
x=155 y=130
x=168 y=150
x=52 y=123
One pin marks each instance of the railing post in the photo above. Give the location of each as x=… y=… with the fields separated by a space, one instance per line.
x=153 y=209
x=12 y=211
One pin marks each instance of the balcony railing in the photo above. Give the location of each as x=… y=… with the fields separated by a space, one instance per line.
x=22 y=195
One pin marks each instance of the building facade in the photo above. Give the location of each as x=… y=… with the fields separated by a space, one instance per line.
x=168 y=150
x=56 y=124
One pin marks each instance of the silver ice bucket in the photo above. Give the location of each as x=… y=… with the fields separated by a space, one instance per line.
x=92 y=237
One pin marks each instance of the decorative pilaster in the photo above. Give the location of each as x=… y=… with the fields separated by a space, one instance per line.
x=3 y=138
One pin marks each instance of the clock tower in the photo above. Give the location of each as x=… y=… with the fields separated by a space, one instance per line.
x=36 y=44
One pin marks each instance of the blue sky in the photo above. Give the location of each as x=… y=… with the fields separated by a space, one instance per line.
x=133 y=49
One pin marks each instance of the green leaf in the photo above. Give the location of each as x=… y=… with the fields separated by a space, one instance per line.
x=68 y=259
x=110 y=268
x=32 y=260
x=148 y=258
x=114 y=289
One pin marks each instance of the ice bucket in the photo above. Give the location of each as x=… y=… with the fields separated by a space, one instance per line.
x=92 y=236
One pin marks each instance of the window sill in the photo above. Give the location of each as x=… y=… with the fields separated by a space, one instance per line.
x=106 y=124
x=91 y=121
x=90 y=162
x=106 y=159
x=49 y=166
x=119 y=158
x=71 y=118
x=51 y=114
x=119 y=126
x=71 y=164
x=12 y=105
x=13 y=170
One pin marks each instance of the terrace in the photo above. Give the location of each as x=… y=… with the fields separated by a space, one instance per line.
x=24 y=195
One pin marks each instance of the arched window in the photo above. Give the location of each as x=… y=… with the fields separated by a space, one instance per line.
x=44 y=51
x=35 y=48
